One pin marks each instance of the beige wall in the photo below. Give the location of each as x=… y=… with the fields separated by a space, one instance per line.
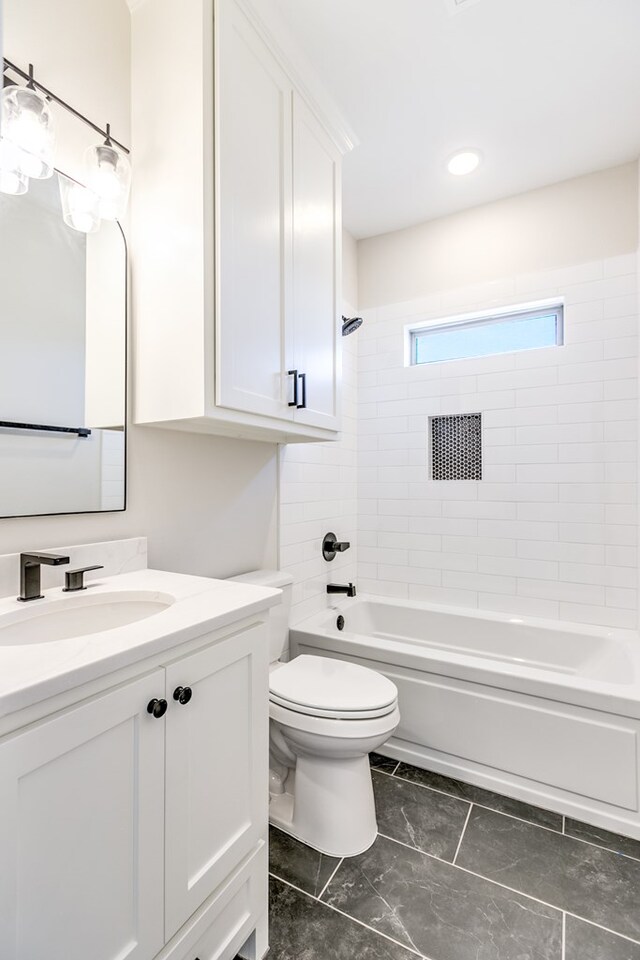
x=589 y=218
x=207 y=505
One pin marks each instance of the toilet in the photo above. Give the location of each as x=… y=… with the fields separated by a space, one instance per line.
x=326 y=716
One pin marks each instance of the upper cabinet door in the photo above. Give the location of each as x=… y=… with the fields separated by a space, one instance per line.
x=316 y=266
x=82 y=831
x=253 y=220
x=217 y=767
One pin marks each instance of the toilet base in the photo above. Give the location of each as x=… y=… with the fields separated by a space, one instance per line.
x=332 y=807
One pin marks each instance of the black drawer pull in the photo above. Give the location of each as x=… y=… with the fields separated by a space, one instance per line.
x=157 y=707
x=294 y=374
x=303 y=377
x=182 y=694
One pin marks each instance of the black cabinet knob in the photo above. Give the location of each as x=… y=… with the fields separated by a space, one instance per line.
x=157 y=707
x=182 y=694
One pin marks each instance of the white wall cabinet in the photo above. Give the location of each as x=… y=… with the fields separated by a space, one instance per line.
x=127 y=836
x=316 y=251
x=236 y=230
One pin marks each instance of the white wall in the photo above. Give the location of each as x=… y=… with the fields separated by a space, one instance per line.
x=207 y=505
x=318 y=484
x=551 y=529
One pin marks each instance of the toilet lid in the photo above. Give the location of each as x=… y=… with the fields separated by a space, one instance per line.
x=325 y=687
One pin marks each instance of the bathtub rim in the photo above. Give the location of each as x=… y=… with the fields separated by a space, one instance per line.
x=615 y=698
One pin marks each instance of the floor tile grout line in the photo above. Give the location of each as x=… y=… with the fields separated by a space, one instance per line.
x=564 y=934
x=599 y=846
x=464 y=828
x=324 y=889
x=348 y=916
x=592 y=923
x=527 y=896
x=483 y=806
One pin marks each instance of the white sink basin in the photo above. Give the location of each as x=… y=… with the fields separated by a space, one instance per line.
x=62 y=619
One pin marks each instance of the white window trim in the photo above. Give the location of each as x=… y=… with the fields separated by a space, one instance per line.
x=492 y=313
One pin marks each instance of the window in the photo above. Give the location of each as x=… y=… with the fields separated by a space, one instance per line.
x=483 y=334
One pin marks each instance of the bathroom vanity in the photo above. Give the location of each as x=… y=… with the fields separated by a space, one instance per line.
x=133 y=770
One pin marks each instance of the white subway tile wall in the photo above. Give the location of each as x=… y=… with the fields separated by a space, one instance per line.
x=318 y=489
x=550 y=531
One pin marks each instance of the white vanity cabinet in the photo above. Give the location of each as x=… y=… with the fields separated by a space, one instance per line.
x=236 y=229
x=82 y=831
x=217 y=767
x=129 y=836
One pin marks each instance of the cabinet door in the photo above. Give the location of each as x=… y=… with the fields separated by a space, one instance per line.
x=217 y=768
x=81 y=831
x=253 y=219
x=316 y=265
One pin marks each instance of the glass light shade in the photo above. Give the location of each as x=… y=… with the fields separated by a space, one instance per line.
x=80 y=206
x=27 y=123
x=12 y=181
x=108 y=173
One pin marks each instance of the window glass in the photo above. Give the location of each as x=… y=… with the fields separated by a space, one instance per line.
x=459 y=340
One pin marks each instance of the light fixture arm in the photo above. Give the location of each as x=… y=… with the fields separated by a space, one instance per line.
x=34 y=84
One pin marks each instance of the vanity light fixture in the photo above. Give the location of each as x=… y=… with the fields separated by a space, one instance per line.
x=109 y=176
x=27 y=146
x=464 y=162
x=80 y=206
x=28 y=126
x=12 y=180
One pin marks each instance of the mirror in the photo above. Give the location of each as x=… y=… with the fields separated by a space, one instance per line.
x=62 y=360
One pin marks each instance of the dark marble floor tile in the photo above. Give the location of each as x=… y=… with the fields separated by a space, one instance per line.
x=378 y=762
x=305 y=929
x=583 y=879
x=585 y=942
x=603 y=838
x=297 y=863
x=495 y=801
x=440 y=911
x=424 y=819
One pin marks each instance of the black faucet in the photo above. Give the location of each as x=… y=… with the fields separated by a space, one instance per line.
x=348 y=589
x=30 y=573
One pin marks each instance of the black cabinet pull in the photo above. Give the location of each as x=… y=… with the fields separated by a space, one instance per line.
x=182 y=694
x=303 y=377
x=294 y=374
x=157 y=707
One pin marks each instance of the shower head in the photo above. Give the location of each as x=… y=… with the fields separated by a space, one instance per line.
x=350 y=325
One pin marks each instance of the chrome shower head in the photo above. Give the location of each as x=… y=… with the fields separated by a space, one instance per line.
x=350 y=325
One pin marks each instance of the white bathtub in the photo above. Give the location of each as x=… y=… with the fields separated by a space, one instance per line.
x=547 y=713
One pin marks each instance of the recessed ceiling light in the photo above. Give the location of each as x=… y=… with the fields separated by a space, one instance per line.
x=463 y=162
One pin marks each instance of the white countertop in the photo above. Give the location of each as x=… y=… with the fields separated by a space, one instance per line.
x=33 y=672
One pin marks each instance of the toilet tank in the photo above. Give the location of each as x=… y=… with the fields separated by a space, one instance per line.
x=279 y=615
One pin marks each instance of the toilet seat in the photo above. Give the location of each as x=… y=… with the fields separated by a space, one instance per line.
x=336 y=728
x=334 y=689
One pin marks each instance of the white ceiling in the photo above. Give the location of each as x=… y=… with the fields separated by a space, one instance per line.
x=546 y=89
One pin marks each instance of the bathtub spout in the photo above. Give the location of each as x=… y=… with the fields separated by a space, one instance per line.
x=348 y=589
